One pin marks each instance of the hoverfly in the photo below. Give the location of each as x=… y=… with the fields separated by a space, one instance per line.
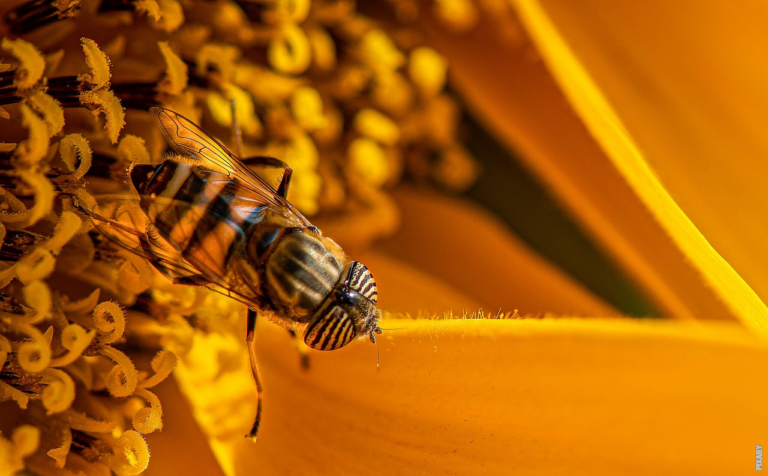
x=209 y=220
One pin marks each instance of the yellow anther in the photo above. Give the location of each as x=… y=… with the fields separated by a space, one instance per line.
x=132 y=456
x=218 y=57
x=175 y=80
x=323 y=49
x=67 y=227
x=104 y=100
x=32 y=63
x=288 y=11
x=74 y=148
x=368 y=161
x=375 y=125
x=109 y=321
x=150 y=7
x=220 y=106
x=32 y=150
x=307 y=109
x=99 y=64
x=459 y=15
x=289 y=50
x=49 y=109
x=265 y=85
x=393 y=93
x=123 y=378
x=42 y=189
x=148 y=419
x=133 y=149
x=427 y=70
x=171 y=15
x=59 y=392
x=379 y=52
x=305 y=189
x=456 y=169
x=24 y=442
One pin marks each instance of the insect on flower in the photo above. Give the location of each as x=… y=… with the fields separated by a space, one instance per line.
x=206 y=219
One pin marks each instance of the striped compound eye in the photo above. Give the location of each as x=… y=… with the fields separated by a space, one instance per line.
x=361 y=280
x=348 y=312
x=331 y=329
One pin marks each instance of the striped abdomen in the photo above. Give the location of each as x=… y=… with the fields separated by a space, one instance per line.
x=196 y=211
x=299 y=272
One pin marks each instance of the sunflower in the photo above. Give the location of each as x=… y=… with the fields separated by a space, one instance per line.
x=555 y=199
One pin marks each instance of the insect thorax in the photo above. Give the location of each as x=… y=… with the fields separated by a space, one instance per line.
x=299 y=271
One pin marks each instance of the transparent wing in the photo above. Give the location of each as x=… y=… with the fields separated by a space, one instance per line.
x=187 y=139
x=121 y=220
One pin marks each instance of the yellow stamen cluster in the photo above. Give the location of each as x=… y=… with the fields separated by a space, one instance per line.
x=348 y=105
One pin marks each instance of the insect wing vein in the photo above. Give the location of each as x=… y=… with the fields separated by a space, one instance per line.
x=190 y=141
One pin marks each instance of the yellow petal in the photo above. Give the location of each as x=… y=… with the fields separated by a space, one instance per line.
x=630 y=161
x=396 y=281
x=699 y=119
x=554 y=142
x=447 y=401
x=468 y=249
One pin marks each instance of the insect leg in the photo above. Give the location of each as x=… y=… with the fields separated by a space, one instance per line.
x=264 y=161
x=250 y=340
x=237 y=134
x=303 y=353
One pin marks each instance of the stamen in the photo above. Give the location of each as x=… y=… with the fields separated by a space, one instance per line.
x=237 y=135
x=13 y=375
x=89 y=447
x=17 y=243
x=139 y=96
x=117 y=6
x=37 y=13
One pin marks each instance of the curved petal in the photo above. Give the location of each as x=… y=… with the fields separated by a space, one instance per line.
x=467 y=248
x=542 y=396
x=518 y=98
x=690 y=91
x=532 y=396
x=629 y=160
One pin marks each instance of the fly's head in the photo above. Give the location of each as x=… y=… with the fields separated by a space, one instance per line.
x=348 y=312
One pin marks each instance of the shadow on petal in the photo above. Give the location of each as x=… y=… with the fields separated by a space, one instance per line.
x=537 y=120
x=469 y=249
x=396 y=281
